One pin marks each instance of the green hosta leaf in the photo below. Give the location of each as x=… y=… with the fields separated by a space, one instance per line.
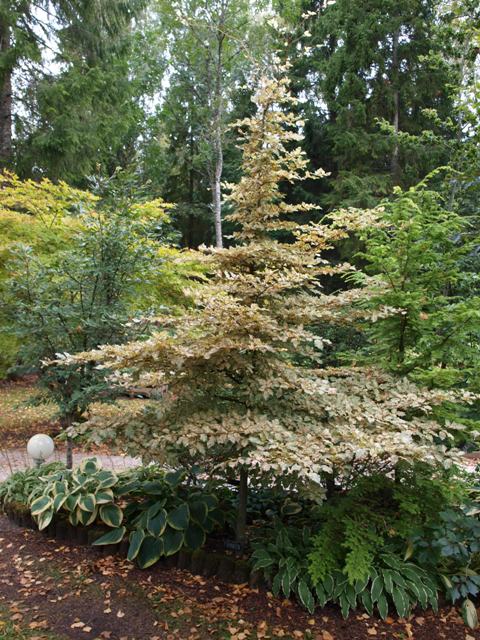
x=344 y=605
x=194 y=536
x=90 y=465
x=361 y=585
x=286 y=583
x=71 y=502
x=210 y=500
x=172 y=541
x=382 y=606
x=366 y=599
x=198 y=511
x=85 y=517
x=328 y=585
x=351 y=595
x=155 y=488
x=469 y=614
x=106 y=479
x=305 y=595
x=156 y=525
x=59 y=487
x=104 y=497
x=398 y=579
x=73 y=518
x=151 y=550
x=290 y=508
x=276 y=582
x=59 y=501
x=44 y=519
x=136 y=539
x=111 y=514
x=263 y=562
x=179 y=517
x=376 y=588
x=111 y=537
x=155 y=508
x=87 y=502
x=387 y=580
x=401 y=602
x=40 y=505
x=174 y=478
x=321 y=595
x=409 y=550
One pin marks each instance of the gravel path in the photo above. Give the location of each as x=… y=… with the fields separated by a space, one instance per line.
x=12 y=460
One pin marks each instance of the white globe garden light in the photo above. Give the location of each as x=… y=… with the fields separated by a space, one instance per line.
x=40 y=447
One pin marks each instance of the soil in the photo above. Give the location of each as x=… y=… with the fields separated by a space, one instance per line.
x=48 y=587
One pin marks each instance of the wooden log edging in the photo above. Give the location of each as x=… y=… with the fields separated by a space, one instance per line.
x=200 y=562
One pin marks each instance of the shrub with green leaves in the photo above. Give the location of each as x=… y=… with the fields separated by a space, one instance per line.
x=378 y=512
x=84 y=494
x=164 y=515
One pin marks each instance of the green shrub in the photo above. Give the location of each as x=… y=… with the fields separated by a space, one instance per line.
x=378 y=512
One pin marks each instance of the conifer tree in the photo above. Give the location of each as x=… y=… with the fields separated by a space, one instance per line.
x=246 y=388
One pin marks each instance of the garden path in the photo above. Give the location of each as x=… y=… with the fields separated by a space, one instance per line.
x=12 y=460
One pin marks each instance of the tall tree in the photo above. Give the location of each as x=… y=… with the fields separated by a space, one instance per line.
x=86 y=115
x=247 y=389
x=209 y=59
x=377 y=82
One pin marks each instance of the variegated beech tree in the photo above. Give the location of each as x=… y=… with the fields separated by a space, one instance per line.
x=247 y=391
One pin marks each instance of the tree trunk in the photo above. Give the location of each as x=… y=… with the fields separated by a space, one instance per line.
x=242 y=507
x=218 y=142
x=65 y=423
x=394 y=162
x=69 y=460
x=5 y=100
x=217 y=198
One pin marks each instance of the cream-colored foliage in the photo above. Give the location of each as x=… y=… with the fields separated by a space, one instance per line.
x=243 y=368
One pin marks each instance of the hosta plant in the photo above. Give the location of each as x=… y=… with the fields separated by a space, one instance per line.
x=22 y=485
x=451 y=547
x=84 y=494
x=165 y=515
x=284 y=562
x=392 y=584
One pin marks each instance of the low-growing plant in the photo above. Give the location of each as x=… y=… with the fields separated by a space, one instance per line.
x=375 y=513
x=391 y=581
x=451 y=548
x=165 y=514
x=84 y=494
x=22 y=484
x=283 y=560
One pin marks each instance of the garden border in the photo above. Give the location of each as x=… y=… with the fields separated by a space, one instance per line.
x=199 y=562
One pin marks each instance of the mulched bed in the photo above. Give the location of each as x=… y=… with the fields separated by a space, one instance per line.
x=77 y=593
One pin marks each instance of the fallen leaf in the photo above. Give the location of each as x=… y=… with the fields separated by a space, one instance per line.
x=120 y=613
